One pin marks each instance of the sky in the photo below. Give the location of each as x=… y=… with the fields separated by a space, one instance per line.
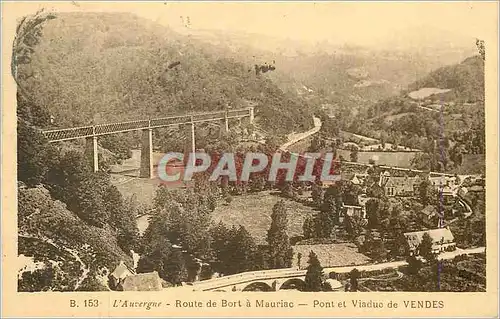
x=361 y=23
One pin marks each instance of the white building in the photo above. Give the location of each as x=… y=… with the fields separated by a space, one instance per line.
x=442 y=240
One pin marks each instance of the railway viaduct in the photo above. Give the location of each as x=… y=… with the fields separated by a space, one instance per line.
x=92 y=133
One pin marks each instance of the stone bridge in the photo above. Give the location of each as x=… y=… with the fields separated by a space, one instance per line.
x=264 y=280
x=294 y=278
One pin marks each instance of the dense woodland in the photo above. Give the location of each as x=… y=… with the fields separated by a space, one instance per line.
x=117 y=67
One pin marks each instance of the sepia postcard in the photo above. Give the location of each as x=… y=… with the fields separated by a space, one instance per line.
x=250 y=159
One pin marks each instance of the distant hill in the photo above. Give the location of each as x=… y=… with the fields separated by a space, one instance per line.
x=100 y=67
x=447 y=137
x=326 y=68
x=461 y=83
x=465 y=80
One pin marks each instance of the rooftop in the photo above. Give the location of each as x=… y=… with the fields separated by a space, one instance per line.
x=122 y=270
x=438 y=235
x=143 y=282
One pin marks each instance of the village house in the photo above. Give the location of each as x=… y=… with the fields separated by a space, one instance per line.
x=121 y=272
x=442 y=239
x=351 y=210
x=448 y=185
x=363 y=199
x=327 y=183
x=429 y=216
x=399 y=185
x=150 y=281
x=448 y=191
x=334 y=284
x=441 y=181
x=358 y=179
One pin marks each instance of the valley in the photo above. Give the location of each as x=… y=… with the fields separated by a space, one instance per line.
x=405 y=129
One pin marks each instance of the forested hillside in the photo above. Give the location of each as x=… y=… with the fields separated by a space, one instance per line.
x=99 y=67
x=73 y=69
x=445 y=126
x=348 y=77
x=466 y=81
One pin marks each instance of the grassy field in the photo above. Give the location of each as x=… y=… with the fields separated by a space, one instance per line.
x=253 y=211
x=400 y=159
x=330 y=255
x=472 y=164
x=143 y=188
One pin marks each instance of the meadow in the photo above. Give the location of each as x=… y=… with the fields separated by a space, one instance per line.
x=253 y=211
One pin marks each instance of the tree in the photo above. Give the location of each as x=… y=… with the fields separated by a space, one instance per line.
x=353 y=225
x=376 y=191
x=317 y=144
x=349 y=192
x=314 y=274
x=309 y=228
x=120 y=145
x=257 y=182
x=353 y=279
x=49 y=278
x=177 y=271
x=280 y=250
x=367 y=245
x=273 y=142
x=91 y=283
x=156 y=248
x=262 y=258
x=221 y=237
x=383 y=138
x=32 y=154
x=73 y=182
x=288 y=191
x=426 y=192
x=332 y=204
x=32 y=149
x=481 y=49
x=317 y=194
x=299 y=258
x=123 y=218
x=414 y=265
x=425 y=247
x=31 y=112
x=372 y=213
x=399 y=246
x=378 y=251
x=243 y=257
x=28 y=34
x=354 y=155
x=324 y=224
x=188 y=218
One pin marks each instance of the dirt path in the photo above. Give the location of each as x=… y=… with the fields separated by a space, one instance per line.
x=73 y=253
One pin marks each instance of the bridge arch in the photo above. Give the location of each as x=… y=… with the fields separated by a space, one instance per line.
x=292 y=283
x=258 y=286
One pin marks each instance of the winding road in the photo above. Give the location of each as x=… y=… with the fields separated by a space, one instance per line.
x=294 y=138
x=85 y=269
